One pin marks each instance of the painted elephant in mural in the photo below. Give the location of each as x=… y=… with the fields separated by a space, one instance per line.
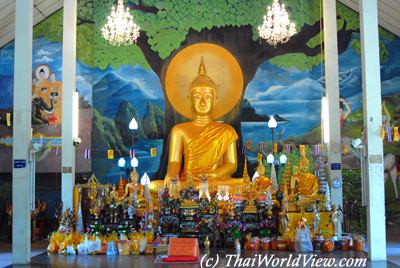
x=39 y=106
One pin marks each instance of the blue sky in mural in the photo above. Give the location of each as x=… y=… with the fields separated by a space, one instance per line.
x=295 y=95
x=44 y=52
x=137 y=84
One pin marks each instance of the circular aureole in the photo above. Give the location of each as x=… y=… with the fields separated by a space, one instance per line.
x=221 y=66
x=43 y=68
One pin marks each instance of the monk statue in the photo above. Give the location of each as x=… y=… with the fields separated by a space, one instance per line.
x=202 y=147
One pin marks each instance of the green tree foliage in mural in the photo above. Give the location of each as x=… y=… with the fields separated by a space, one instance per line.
x=52 y=29
x=167 y=26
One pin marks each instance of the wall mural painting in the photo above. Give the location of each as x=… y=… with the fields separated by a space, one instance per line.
x=117 y=84
x=46 y=104
x=118 y=96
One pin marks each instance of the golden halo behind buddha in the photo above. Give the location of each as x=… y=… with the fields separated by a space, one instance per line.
x=221 y=67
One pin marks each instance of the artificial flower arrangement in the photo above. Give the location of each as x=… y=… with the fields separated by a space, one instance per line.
x=266 y=226
x=235 y=228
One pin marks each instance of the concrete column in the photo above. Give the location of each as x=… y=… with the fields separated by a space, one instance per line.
x=373 y=125
x=68 y=89
x=332 y=93
x=22 y=136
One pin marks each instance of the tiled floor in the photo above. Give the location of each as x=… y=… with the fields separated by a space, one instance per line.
x=38 y=247
x=393 y=249
x=45 y=260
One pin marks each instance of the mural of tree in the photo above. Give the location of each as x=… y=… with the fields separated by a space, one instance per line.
x=168 y=26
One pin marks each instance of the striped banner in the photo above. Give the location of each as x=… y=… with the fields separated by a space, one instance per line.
x=317 y=149
x=87 y=153
x=389 y=134
x=261 y=148
x=287 y=149
x=131 y=153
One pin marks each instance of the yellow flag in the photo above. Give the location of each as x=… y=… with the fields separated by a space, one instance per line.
x=248 y=144
x=383 y=133
x=153 y=151
x=275 y=147
x=396 y=134
x=8 y=117
x=110 y=154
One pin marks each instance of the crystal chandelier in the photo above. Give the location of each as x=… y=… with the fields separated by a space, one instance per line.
x=120 y=30
x=276 y=27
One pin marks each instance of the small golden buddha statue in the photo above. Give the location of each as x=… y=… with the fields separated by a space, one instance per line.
x=133 y=189
x=304 y=182
x=202 y=146
x=113 y=198
x=262 y=182
x=250 y=207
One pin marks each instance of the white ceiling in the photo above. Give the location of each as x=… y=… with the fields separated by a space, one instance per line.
x=42 y=9
x=389 y=15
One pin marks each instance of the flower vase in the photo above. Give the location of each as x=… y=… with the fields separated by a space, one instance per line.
x=237 y=246
x=207 y=244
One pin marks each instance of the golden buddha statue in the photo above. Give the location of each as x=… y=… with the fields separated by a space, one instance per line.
x=202 y=146
x=304 y=183
x=262 y=182
x=133 y=189
x=113 y=197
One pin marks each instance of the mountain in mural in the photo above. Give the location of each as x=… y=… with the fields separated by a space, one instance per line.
x=124 y=115
x=106 y=135
x=155 y=122
x=131 y=93
x=111 y=87
x=249 y=114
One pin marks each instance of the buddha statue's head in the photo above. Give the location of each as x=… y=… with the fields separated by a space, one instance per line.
x=260 y=168
x=202 y=92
